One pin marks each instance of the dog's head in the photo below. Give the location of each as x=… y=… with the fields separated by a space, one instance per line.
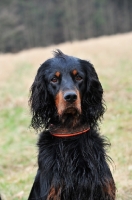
x=66 y=90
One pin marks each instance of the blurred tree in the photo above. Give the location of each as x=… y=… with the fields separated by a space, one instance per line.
x=26 y=24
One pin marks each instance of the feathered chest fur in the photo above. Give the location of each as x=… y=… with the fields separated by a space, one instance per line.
x=76 y=166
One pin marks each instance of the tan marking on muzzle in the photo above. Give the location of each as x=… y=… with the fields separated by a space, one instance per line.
x=78 y=101
x=60 y=102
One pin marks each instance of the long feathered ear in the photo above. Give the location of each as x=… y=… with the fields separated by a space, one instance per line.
x=40 y=102
x=93 y=103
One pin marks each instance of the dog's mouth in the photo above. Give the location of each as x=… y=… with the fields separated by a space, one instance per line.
x=71 y=110
x=70 y=116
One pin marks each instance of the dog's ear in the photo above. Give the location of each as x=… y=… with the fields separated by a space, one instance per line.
x=40 y=101
x=93 y=103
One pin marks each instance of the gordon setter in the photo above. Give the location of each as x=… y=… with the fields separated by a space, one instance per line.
x=67 y=105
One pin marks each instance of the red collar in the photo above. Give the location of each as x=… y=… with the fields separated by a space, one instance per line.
x=61 y=135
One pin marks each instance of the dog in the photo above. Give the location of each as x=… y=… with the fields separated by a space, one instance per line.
x=67 y=106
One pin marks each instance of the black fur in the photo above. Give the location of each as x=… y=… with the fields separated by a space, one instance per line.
x=72 y=168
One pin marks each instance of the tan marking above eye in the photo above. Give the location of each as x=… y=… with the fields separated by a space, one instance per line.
x=74 y=72
x=57 y=74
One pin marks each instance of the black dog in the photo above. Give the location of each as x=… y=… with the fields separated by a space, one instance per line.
x=66 y=102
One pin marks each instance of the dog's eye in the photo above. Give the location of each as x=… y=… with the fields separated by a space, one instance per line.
x=78 y=78
x=54 y=79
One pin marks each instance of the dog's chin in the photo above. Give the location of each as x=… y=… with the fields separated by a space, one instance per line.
x=70 y=116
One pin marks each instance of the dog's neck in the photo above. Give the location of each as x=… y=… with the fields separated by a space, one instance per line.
x=63 y=131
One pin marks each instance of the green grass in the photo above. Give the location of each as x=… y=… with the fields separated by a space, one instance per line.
x=18 y=154
x=17 y=140
x=117 y=125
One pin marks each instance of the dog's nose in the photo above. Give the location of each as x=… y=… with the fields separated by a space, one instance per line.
x=70 y=96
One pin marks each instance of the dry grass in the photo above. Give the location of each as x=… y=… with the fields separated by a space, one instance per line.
x=112 y=58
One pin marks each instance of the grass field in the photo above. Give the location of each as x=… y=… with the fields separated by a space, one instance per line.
x=112 y=58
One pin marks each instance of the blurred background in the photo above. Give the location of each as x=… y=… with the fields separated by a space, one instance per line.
x=99 y=31
x=26 y=24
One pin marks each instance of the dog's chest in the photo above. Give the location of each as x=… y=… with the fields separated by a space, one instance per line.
x=73 y=168
x=73 y=164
